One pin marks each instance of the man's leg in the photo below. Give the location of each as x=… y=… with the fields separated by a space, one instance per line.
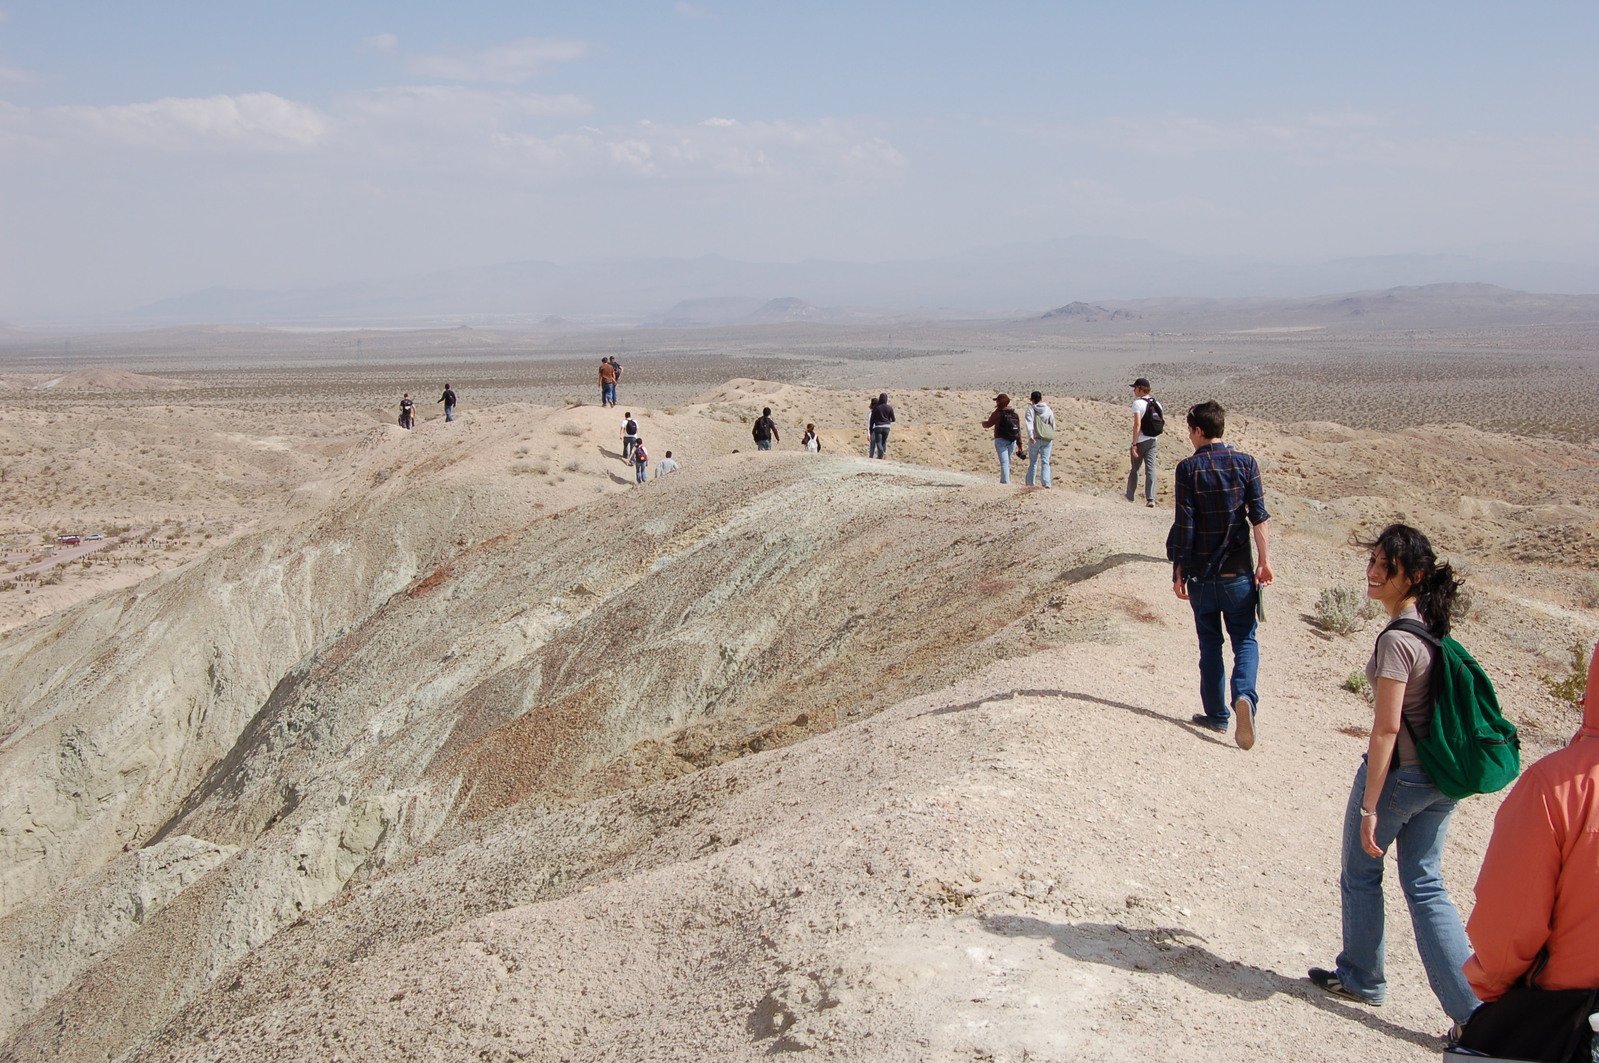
x=449 y=414
x=1212 y=672
x=1238 y=610
x=1002 y=448
x=1132 y=477
x=1033 y=458
x=1149 y=468
x=1048 y=448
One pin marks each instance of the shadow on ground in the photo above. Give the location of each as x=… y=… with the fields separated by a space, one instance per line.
x=1178 y=952
x=1139 y=710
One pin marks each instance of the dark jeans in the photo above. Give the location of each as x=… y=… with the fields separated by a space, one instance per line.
x=1225 y=602
x=879 y=448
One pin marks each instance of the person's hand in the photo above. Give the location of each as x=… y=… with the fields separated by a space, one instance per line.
x=1263 y=573
x=1179 y=587
x=1368 y=836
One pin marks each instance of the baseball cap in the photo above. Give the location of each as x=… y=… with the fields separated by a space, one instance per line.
x=1141 y=382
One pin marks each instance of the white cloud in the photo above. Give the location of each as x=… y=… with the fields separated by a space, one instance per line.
x=14 y=75
x=258 y=121
x=501 y=64
x=1181 y=136
x=822 y=153
x=688 y=10
x=385 y=43
x=457 y=106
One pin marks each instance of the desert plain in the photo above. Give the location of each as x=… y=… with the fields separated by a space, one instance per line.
x=348 y=742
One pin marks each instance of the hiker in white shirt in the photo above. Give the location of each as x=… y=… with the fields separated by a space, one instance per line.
x=666 y=465
x=1040 y=438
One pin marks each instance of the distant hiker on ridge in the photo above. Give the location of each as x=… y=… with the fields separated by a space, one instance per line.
x=448 y=398
x=1149 y=421
x=1007 y=426
x=641 y=460
x=407 y=411
x=629 y=435
x=1041 y=437
x=765 y=430
x=666 y=465
x=607 y=382
x=878 y=424
x=1219 y=500
x=810 y=440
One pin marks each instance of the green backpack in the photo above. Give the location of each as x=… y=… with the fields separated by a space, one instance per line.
x=1471 y=748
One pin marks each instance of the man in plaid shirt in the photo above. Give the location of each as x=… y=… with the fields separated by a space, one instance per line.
x=1220 y=507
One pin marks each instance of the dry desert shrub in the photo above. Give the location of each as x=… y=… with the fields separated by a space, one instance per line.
x=570 y=430
x=1342 y=610
x=572 y=466
x=1569 y=687
x=1357 y=683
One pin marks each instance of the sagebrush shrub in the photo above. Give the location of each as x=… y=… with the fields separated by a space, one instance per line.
x=1340 y=610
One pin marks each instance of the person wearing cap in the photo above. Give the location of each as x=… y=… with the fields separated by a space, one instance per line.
x=1007 y=426
x=1143 y=449
x=1040 y=439
x=1537 y=912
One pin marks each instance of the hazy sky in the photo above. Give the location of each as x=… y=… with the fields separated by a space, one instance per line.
x=153 y=148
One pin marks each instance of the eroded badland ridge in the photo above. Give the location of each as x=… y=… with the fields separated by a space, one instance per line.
x=458 y=744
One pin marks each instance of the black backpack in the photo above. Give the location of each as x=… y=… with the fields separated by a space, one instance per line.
x=632 y=427
x=763 y=429
x=1153 y=422
x=1010 y=425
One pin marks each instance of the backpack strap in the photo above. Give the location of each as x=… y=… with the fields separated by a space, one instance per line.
x=1436 y=646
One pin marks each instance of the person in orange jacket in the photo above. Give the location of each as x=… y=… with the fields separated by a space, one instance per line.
x=1539 y=884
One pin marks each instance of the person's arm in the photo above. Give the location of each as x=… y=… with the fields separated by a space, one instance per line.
x=1180 y=540
x=1138 y=424
x=1515 y=889
x=1031 y=412
x=1263 y=575
x=993 y=419
x=1379 y=754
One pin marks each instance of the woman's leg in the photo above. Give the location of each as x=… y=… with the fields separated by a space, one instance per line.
x=1360 y=964
x=1440 y=937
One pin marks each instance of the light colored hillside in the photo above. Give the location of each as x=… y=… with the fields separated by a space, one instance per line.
x=477 y=750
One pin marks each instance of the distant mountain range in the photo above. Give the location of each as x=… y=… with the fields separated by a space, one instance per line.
x=1017 y=280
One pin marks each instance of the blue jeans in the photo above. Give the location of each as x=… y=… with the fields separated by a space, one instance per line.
x=1039 y=455
x=1413 y=816
x=763 y=444
x=449 y=414
x=638 y=468
x=1004 y=448
x=607 y=394
x=879 y=447
x=1145 y=457
x=1225 y=601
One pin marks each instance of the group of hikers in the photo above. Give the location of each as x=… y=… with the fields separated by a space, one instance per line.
x=408 y=407
x=1518 y=981
x=1521 y=979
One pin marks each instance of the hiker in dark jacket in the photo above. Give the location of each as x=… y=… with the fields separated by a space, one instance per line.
x=882 y=417
x=448 y=398
x=765 y=430
x=1007 y=426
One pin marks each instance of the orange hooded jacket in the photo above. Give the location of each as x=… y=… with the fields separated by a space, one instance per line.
x=1539 y=884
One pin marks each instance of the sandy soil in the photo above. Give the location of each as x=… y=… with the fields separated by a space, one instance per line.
x=457 y=744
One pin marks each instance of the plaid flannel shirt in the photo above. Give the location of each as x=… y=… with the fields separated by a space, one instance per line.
x=1219 y=495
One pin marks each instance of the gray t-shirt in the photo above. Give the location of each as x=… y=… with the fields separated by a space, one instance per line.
x=1407 y=658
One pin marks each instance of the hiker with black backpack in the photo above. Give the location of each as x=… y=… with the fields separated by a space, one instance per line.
x=764 y=431
x=1149 y=421
x=1007 y=426
x=1535 y=928
x=629 y=436
x=1396 y=800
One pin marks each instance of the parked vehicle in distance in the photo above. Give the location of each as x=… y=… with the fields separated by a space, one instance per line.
x=69 y=540
x=94 y=537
